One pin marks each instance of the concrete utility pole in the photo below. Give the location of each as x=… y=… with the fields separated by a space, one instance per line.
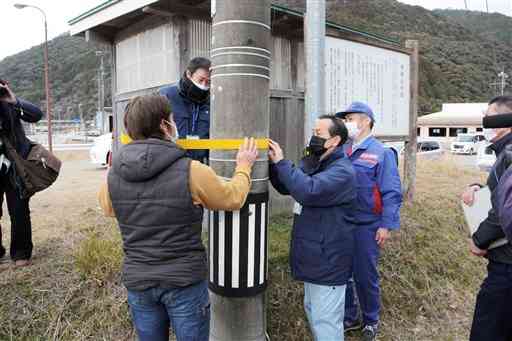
x=240 y=107
x=314 y=31
x=411 y=146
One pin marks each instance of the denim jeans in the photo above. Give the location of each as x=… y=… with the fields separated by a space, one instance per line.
x=325 y=309
x=186 y=310
x=494 y=305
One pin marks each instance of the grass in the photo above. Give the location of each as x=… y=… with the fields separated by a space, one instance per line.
x=429 y=280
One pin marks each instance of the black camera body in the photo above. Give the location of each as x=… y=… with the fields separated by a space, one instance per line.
x=3 y=91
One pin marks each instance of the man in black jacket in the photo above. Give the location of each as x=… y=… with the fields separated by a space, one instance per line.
x=12 y=111
x=493 y=309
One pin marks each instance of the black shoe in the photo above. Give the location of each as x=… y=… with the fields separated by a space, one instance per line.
x=370 y=332
x=350 y=326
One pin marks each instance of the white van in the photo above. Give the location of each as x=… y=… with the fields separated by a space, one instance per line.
x=467 y=144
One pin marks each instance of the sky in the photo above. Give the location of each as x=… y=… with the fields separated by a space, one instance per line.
x=22 y=29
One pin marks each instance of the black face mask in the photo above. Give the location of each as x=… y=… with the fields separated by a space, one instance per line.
x=316 y=145
x=192 y=92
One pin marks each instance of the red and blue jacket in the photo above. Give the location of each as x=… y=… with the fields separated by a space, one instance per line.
x=379 y=190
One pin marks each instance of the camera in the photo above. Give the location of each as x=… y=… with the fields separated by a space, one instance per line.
x=3 y=91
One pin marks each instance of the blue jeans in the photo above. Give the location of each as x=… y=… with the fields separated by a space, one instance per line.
x=325 y=308
x=186 y=310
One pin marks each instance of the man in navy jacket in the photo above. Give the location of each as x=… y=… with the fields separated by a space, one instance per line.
x=190 y=104
x=322 y=244
x=12 y=111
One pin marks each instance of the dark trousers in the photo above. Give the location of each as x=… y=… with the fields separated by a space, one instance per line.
x=493 y=311
x=21 y=227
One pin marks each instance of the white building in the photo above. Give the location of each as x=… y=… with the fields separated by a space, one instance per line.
x=455 y=118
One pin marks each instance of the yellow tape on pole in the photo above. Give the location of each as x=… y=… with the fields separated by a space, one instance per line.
x=211 y=144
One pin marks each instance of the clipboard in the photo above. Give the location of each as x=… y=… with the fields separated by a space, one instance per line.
x=478 y=212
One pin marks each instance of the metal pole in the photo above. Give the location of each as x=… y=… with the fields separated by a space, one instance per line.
x=315 y=63
x=240 y=104
x=47 y=85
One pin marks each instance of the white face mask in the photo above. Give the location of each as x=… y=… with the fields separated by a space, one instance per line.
x=490 y=134
x=202 y=87
x=353 y=130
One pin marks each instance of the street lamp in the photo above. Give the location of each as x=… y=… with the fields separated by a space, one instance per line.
x=46 y=79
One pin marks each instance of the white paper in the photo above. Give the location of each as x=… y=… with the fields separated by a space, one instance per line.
x=478 y=212
x=297 y=208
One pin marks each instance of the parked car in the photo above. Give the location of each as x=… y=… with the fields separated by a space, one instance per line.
x=430 y=149
x=467 y=144
x=101 y=150
x=485 y=158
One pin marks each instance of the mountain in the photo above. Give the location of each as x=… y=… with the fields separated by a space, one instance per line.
x=461 y=53
x=73 y=76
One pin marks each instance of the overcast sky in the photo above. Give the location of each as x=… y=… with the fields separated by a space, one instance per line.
x=22 y=29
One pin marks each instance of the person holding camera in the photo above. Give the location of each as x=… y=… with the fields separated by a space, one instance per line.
x=494 y=300
x=13 y=110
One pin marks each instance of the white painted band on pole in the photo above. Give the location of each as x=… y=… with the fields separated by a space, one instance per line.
x=241 y=53
x=211 y=236
x=251 y=22
x=241 y=74
x=242 y=47
x=241 y=65
x=251 y=248
x=222 y=239
x=235 y=257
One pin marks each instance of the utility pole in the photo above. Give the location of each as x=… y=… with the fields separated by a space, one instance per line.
x=46 y=72
x=101 y=88
x=240 y=107
x=314 y=31
x=501 y=83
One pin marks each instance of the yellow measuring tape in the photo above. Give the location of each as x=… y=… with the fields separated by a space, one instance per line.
x=211 y=144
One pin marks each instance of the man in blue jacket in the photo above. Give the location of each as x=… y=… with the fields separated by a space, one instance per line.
x=190 y=104
x=379 y=197
x=321 y=253
x=12 y=111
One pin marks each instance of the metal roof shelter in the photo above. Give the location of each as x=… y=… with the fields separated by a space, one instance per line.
x=153 y=40
x=456 y=114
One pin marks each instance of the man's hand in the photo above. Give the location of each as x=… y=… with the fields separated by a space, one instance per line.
x=275 y=153
x=468 y=196
x=10 y=97
x=475 y=250
x=382 y=236
x=247 y=154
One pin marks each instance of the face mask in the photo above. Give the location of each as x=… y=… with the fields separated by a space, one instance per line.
x=174 y=136
x=353 y=130
x=490 y=134
x=316 y=145
x=193 y=92
x=202 y=87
